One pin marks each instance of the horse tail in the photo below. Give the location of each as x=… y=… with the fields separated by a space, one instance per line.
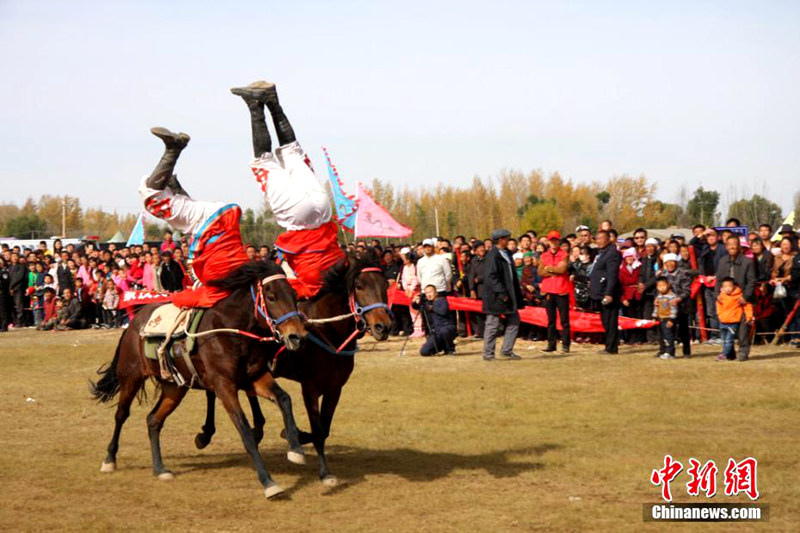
x=107 y=386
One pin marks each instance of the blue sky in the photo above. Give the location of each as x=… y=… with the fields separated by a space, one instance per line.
x=416 y=93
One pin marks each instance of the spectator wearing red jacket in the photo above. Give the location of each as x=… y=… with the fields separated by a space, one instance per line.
x=555 y=287
x=631 y=298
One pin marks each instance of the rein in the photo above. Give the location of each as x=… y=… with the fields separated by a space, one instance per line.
x=259 y=308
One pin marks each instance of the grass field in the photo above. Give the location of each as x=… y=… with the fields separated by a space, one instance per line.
x=420 y=444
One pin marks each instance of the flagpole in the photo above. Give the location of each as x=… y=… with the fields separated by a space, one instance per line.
x=436 y=214
x=355 y=222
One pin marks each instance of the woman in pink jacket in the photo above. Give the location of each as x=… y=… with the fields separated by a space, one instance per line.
x=412 y=287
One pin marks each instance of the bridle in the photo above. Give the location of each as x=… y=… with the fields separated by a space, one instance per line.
x=260 y=306
x=358 y=311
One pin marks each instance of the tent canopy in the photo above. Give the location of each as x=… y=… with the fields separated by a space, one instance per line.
x=118 y=237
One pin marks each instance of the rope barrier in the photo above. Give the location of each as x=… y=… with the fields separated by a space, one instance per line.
x=758 y=333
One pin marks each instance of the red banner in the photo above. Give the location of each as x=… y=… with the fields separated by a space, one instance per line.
x=579 y=321
x=131 y=298
x=699 y=281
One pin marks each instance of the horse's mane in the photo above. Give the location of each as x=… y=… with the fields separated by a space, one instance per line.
x=247 y=274
x=341 y=277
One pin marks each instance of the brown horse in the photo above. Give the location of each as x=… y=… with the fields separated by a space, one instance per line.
x=353 y=300
x=225 y=362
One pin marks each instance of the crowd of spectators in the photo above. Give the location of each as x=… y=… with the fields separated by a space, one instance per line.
x=77 y=287
x=638 y=277
x=599 y=272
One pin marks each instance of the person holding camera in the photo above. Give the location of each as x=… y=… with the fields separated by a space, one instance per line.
x=440 y=324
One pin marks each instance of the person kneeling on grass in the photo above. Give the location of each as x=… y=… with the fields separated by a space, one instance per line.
x=437 y=319
x=665 y=311
x=730 y=307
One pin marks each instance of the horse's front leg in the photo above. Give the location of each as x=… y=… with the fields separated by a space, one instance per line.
x=226 y=391
x=321 y=426
x=203 y=439
x=171 y=396
x=268 y=388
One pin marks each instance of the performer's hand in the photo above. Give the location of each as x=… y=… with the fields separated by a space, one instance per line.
x=530 y=288
x=669 y=323
x=626 y=303
x=742 y=301
x=607 y=299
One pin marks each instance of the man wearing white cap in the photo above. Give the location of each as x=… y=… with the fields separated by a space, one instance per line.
x=681 y=283
x=434 y=269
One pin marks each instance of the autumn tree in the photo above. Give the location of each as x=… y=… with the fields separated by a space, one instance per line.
x=702 y=207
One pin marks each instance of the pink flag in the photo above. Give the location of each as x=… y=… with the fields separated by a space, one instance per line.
x=372 y=220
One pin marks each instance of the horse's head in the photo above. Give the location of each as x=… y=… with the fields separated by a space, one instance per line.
x=368 y=297
x=276 y=302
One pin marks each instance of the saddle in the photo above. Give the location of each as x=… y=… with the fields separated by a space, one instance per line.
x=167 y=320
x=168 y=334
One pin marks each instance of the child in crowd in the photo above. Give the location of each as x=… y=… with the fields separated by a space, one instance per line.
x=59 y=314
x=111 y=305
x=579 y=274
x=730 y=309
x=665 y=311
x=119 y=278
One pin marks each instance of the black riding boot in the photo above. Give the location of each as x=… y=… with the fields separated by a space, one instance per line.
x=174 y=143
x=282 y=125
x=252 y=96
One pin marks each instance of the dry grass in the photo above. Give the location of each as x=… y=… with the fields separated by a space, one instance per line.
x=421 y=444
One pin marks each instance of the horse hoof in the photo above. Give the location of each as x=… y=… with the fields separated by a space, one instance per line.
x=108 y=467
x=273 y=491
x=166 y=476
x=330 y=481
x=296 y=458
x=201 y=440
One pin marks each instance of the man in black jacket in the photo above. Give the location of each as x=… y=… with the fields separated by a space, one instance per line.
x=63 y=275
x=171 y=273
x=18 y=282
x=5 y=297
x=475 y=284
x=439 y=321
x=604 y=288
x=501 y=296
x=735 y=265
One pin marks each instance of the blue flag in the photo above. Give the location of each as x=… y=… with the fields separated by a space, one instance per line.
x=345 y=204
x=137 y=235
